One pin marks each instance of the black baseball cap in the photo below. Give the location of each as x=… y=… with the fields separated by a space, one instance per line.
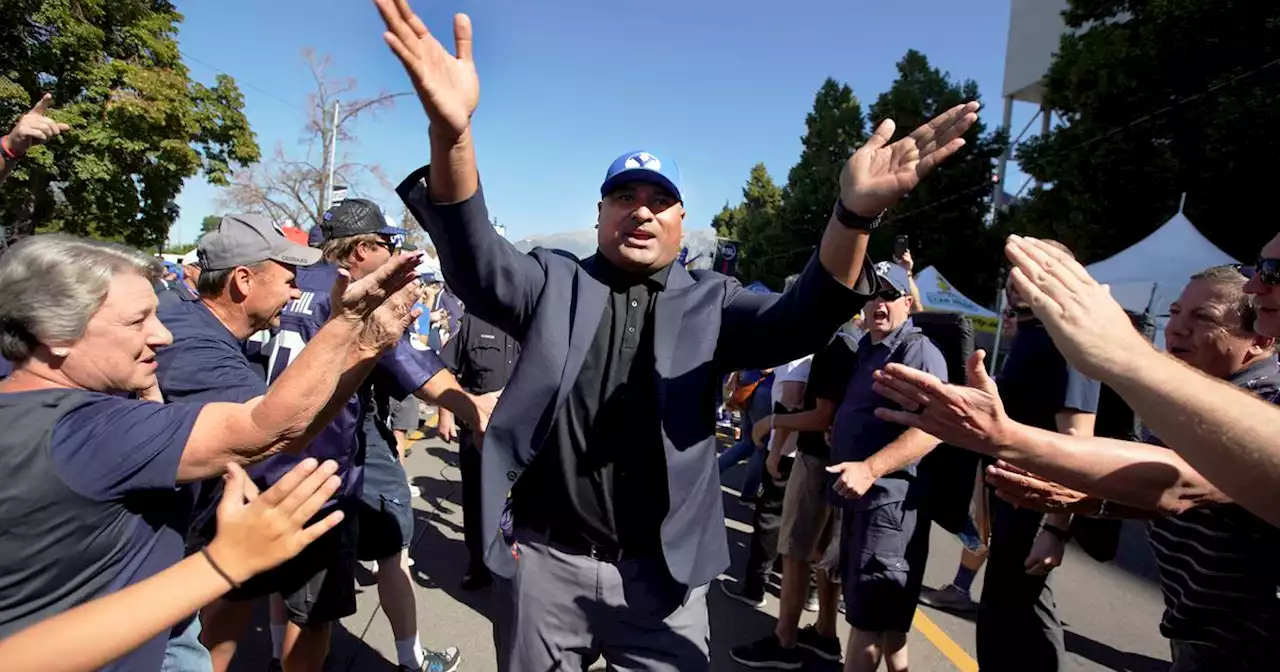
x=354 y=217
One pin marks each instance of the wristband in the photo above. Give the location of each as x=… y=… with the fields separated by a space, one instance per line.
x=853 y=220
x=1063 y=535
x=221 y=572
x=8 y=153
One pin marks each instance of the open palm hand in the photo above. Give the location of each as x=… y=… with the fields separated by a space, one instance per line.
x=879 y=173
x=446 y=84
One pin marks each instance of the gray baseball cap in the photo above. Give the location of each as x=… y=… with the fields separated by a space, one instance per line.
x=243 y=240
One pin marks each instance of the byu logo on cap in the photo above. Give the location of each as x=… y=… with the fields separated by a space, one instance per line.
x=643 y=160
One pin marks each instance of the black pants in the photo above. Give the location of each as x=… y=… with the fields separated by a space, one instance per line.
x=767 y=524
x=1018 y=626
x=472 y=535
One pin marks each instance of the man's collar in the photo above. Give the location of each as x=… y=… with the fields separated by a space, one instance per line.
x=1265 y=370
x=605 y=271
x=895 y=337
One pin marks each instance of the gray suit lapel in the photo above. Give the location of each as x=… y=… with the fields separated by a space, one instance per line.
x=588 y=310
x=668 y=315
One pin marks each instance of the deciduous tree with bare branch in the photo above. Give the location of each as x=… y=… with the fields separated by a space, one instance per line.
x=291 y=186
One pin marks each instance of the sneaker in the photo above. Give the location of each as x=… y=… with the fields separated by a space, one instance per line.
x=948 y=598
x=438 y=661
x=737 y=592
x=415 y=491
x=826 y=648
x=475 y=579
x=767 y=653
x=811 y=602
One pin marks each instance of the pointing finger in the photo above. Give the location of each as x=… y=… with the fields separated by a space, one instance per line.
x=42 y=106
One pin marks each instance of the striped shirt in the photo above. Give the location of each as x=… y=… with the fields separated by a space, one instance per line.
x=1220 y=566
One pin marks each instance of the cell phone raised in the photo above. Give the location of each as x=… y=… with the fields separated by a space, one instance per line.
x=900 y=246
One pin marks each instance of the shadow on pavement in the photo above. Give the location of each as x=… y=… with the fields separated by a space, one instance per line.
x=439 y=560
x=347 y=652
x=447 y=455
x=1110 y=658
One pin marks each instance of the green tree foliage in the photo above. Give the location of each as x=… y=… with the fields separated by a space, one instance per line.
x=833 y=130
x=210 y=223
x=140 y=125
x=945 y=216
x=754 y=224
x=1159 y=98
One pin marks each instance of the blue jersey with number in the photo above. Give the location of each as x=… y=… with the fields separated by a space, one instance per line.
x=403 y=368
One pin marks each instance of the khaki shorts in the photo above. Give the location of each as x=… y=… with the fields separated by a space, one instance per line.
x=809 y=522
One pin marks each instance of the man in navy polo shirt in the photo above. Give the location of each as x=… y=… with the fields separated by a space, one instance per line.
x=885 y=542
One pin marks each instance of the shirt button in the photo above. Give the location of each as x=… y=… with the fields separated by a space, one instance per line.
x=631 y=329
x=634 y=303
x=511 y=475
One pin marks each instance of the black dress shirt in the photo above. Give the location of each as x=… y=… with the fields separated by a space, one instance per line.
x=481 y=355
x=600 y=479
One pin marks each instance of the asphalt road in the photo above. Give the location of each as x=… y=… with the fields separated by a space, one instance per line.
x=1111 y=611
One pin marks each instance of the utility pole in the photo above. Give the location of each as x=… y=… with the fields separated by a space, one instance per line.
x=331 y=158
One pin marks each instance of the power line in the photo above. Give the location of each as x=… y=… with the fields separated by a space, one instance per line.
x=984 y=184
x=243 y=82
x=1103 y=136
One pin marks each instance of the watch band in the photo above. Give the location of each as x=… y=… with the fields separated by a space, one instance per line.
x=1061 y=534
x=853 y=220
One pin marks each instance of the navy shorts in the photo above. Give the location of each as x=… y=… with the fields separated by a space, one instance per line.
x=404 y=415
x=386 y=505
x=318 y=585
x=884 y=551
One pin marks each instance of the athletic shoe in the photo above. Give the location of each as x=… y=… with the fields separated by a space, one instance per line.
x=948 y=598
x=737 y=592
x=767 y=653
x=437 y=661
x=826 y=648
x=475 y=579
x=415 y=491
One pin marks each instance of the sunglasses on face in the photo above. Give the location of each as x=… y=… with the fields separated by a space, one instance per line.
x=889 y=295
x=1267 y=270
x=387 y=245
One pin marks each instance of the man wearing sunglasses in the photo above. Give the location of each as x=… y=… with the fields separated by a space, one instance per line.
x=884 y=542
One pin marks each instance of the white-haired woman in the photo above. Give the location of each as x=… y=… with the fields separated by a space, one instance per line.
x=94 y=497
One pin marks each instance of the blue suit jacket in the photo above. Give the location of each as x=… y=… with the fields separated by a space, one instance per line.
x=705 y=324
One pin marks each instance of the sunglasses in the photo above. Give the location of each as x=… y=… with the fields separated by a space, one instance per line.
x=1267 y=270
x=388 y=245
x=889 y=295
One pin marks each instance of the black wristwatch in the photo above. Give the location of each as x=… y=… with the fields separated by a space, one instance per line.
x=1063 y=535
x=853 y=220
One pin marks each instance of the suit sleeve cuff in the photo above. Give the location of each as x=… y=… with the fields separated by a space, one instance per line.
x=416 y=194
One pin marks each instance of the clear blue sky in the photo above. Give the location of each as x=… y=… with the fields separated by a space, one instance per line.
x=714 y=85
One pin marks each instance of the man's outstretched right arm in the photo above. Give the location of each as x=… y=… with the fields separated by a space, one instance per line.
x=495 y=281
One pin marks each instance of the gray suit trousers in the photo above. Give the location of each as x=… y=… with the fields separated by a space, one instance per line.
x=564 y=611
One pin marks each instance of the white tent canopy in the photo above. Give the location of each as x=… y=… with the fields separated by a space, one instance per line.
x=936 y=294
x=1150 y=274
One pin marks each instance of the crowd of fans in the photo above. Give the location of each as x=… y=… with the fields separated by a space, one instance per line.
x=184 y=442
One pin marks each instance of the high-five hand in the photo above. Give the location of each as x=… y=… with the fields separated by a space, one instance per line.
x=446 y=84
x=970 y=416
x=1089 y=327
x=358 y=299
x=879 y=173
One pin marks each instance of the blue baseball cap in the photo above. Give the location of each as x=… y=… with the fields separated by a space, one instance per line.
x=315 y=237
x=641 y=166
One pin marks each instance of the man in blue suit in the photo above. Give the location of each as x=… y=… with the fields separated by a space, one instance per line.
x=601 y=497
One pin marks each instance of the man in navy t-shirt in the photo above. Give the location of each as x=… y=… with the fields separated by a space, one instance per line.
x=318 y=587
